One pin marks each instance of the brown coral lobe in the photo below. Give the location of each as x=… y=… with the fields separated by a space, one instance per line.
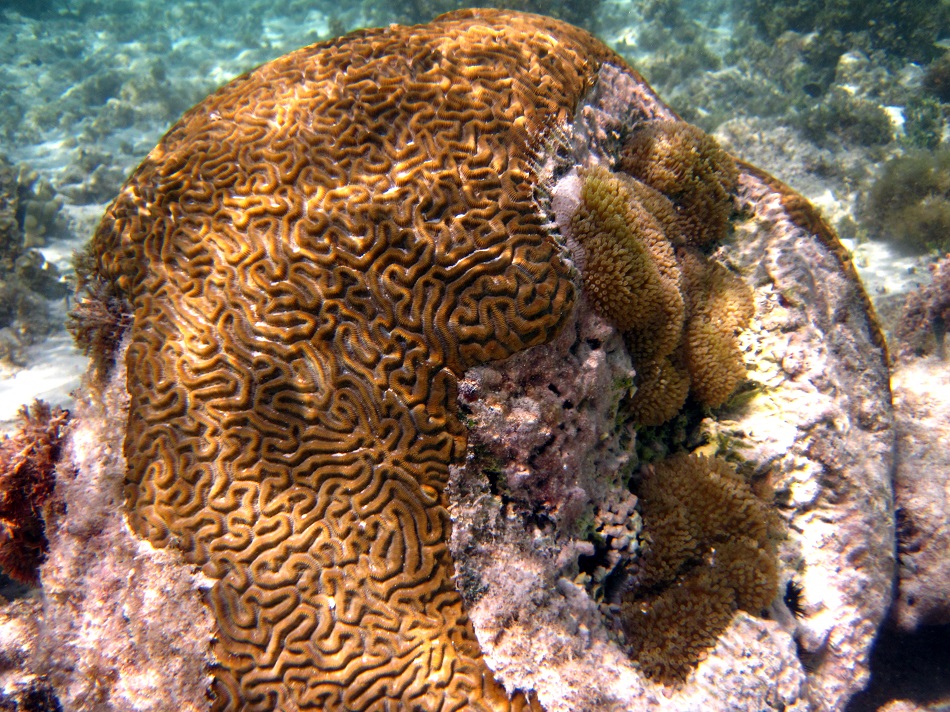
x=710 y=550
x=680 y=311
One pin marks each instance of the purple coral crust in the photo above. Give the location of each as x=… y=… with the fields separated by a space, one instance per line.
x=547 y=418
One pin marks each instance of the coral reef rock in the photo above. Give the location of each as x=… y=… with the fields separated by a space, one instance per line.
x=374 y=445
x=28 y=212
x=921 y=329
x=124 y=625
x=922 y=491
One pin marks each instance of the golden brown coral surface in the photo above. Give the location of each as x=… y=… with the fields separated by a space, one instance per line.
x=680 y=311
x=687 y=165
x=312 y=256
x=309 y=261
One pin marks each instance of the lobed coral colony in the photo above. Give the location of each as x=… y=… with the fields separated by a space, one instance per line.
x=299 y=274
x=710 y=549
x=642 y=231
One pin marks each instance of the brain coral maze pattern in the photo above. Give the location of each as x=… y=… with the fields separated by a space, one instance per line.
x=313 y=256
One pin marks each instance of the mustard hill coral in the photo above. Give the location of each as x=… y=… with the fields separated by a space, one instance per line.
x=630 y=272
x=686 y=165
x=680 y=312
x=709 y=550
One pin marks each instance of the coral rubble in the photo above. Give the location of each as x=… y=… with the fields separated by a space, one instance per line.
x=902 y=27
x=28 y=212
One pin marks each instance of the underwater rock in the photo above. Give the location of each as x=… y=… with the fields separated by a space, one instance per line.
x=909 y=202
x=372 y=423
x=39 y=209
x=921 y=329
x=29 y=211
x=922 y=491
x=124 y=625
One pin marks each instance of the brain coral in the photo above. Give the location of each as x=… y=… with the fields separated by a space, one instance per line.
x=303 y=269
x=312 y=257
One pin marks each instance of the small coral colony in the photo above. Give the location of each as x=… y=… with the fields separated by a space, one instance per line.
x=646 y=231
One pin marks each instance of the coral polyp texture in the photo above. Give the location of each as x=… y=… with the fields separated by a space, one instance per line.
x=690 y=168
x=711 y=549
x=681 y=313
x=630 y=270
x=301 y=274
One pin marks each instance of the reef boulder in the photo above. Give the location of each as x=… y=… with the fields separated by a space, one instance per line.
x=361 y=434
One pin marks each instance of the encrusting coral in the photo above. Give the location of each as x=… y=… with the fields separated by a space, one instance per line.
x=709 y=550
x=27 y=461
